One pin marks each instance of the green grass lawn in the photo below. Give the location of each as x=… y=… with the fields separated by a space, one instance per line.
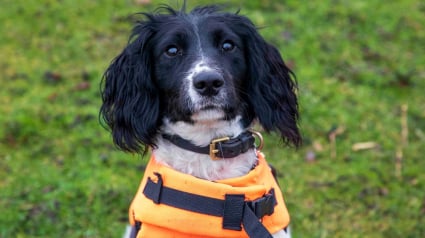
x=360 y=66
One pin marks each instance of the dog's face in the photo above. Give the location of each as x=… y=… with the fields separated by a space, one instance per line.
x=199 y=68
x=202 y=67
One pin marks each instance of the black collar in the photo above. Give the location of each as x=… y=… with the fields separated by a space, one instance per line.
x=225 y=147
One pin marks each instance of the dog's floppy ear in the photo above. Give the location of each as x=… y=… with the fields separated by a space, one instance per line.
x=130 y=99
x=271 y=88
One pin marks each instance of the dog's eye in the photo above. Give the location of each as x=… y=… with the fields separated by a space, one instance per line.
x=172 y=51
x=228 y=46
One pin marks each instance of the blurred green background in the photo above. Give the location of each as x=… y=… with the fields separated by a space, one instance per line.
x=360 y=66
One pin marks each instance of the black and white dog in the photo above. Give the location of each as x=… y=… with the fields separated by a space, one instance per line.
x=199 y=76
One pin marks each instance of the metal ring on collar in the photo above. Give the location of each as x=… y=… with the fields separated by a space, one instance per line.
x=260 y=138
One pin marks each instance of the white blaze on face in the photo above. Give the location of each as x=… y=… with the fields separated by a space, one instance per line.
x=205 y=109
x=198 y=101
x=199 y=67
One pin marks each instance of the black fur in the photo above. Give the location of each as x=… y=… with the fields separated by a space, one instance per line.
x=142 y=85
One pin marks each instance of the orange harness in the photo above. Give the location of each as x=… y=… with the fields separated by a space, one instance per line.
x=173 y=204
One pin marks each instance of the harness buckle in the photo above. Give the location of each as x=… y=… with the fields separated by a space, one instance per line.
x=214 y=150
x=263 y=206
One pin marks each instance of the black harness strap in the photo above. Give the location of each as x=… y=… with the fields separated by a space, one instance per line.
x=233 y=209
x=160 y=194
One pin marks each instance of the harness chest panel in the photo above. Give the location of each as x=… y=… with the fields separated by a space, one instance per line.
x=173 y=204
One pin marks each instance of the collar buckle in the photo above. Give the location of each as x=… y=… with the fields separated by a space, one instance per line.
x=214 y=150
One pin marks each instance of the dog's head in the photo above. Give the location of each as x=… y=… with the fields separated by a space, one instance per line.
x=199 y=67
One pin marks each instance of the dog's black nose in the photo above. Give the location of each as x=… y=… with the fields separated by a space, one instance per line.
x=208 y=83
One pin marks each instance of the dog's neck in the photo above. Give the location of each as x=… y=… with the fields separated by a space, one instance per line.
x=201 y=134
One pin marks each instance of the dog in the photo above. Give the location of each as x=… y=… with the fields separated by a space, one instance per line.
x=189 y=80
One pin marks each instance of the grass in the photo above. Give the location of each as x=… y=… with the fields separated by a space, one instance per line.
x=359 y=64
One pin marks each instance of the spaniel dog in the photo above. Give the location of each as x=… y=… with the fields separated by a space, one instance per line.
x=186 y=79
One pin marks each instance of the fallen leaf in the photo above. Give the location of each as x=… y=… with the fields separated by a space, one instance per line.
x=52 y=77
x=317 y=146
x=364 y=145
x=82 y=86
x=310 y=156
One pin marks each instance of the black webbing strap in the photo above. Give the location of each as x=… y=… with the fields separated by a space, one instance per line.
x=234 y=210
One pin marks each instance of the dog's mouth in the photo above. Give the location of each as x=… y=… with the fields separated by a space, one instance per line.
x=213 y=113
x=209 y=110
x=209 y=114
x=210 y=107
